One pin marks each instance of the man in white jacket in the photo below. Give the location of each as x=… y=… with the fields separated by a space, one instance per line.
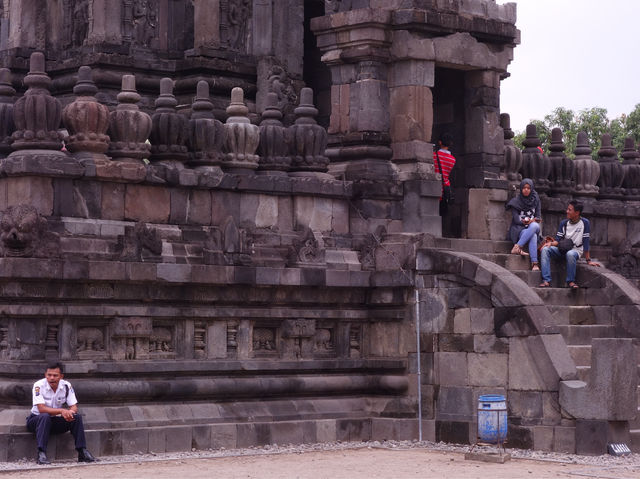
x=55 y=411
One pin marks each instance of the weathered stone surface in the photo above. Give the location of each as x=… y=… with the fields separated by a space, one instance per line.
x=487 y=369
x=147 y=203
x=611 y=393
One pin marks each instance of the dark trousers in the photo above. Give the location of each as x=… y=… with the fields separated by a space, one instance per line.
x=44 y=425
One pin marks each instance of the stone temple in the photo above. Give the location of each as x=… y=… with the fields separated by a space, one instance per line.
x=222 y=217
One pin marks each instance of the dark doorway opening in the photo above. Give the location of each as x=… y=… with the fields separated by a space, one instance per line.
x=449 y=116
x=316 y=74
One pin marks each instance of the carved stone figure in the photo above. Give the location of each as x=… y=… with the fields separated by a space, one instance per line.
x=624 y=261
x=323 y=340
x=280 y=84
x=145 y=21
x=23 y=232
x=238 y=18
x=80 y=23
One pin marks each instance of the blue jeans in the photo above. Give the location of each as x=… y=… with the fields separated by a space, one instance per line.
x=552 y=251
x=529 y=236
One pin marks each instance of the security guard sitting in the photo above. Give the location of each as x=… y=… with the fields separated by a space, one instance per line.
x=54 y=411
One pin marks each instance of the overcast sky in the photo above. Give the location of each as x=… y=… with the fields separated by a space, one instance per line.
x=573 y=53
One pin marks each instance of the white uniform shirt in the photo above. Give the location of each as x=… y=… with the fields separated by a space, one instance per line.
x=43 y=394
x=574 y=232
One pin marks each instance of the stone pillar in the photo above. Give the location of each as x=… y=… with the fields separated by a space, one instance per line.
x=358 y=58
x=7 y=97
x=484 y=138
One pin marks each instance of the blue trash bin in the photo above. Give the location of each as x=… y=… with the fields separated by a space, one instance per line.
x=492 y=418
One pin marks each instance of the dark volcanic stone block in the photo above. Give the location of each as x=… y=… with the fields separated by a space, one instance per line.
x=353 y=429
x=135 y=441
x=178 y=439
x=111 y=443
x=519 y=436
x=256 y=434
x=452 y=431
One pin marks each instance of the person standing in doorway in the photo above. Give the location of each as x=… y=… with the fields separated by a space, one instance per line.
x=444 y=162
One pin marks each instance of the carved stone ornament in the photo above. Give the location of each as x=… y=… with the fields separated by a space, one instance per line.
x=308 y=139
x=587 y=170
x=367 y=249
x=140 y=243
x=129 y=127
x=169 y=130
x=242 y=137
x=90 y=339
x=512 y=154
x=7 y=97
x=281 y=84
x=611 y=171
x=206 y=134
x=37 y=114
x=237 y=21
x=535 y=164
x=145 y=22
x=624 y=260
x=305 y=249
x=86 y=120
x=631 y=165
x=562 y=168
x=274 y=142
x=25 y=233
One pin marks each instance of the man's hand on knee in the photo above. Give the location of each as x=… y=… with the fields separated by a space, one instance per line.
x=67 y=414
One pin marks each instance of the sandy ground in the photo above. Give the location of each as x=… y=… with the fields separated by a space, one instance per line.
x=365 y=463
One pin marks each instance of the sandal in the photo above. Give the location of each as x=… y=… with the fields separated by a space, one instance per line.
x=544 y=284
x=535 y=267
x=573 y=285
x=518 y=250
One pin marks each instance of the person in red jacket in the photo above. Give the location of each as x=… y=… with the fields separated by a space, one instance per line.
x=444 y=162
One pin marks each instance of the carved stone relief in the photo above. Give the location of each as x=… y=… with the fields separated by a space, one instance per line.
x=25 y=233
x=228 y=244
x=131 y=338
x=144 y=17
x=232 y=338
x=625 y=261
x=140 y=243
x=355 y=341
x=162 y=341
x=324 y=344
x=235 y=20
x=298 y=338
x=51 y=347
x=90 y=342
x=306 y=249
x=4 y=340
x=200 y=340
x=264 y=340
x=281 y=84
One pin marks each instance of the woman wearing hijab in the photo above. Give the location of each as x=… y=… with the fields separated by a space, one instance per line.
x=525 y=219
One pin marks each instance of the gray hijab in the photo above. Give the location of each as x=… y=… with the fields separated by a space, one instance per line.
x=525 y=203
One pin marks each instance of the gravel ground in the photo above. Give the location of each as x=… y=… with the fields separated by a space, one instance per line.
x=367 y=455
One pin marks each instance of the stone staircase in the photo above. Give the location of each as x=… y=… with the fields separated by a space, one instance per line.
x=579 y=315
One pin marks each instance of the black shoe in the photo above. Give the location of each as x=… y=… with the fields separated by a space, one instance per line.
x=42 y=458
x=85 y=456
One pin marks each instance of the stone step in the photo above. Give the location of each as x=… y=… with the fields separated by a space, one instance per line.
x=583 y=373
x=473 y=245
x=583 y=334
x=575 y=297
x=581 y=354
x=584 y=314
